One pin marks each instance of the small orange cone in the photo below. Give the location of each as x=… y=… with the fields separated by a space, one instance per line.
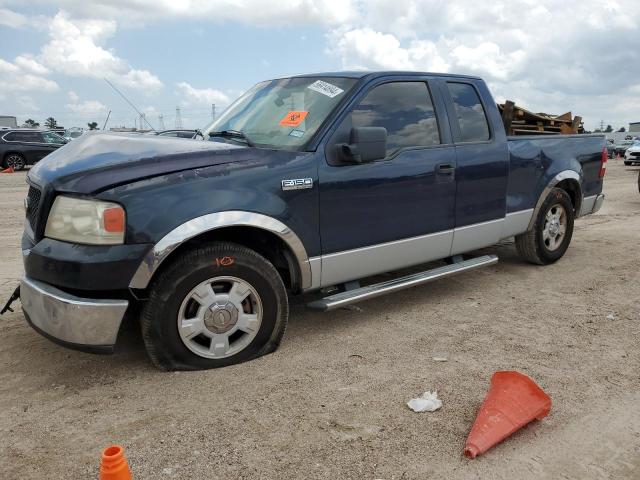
x=8 y=170
x=113 y=465
x=618 y=156
x=513 y=401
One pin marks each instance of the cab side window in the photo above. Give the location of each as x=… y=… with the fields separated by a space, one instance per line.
x=472 y=118
x=405 y=109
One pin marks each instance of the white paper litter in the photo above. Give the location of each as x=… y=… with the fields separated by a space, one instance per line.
x=427 y=402
x=611 y=316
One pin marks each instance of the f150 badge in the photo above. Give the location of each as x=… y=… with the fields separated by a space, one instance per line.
x=297 y=184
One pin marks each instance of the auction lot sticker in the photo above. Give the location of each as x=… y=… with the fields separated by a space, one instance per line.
x=293 y=118
x=325 y=88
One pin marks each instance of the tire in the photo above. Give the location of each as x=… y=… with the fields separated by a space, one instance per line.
x=14 y=160
x=544 y=244
x=627 y=163
x=181 y=293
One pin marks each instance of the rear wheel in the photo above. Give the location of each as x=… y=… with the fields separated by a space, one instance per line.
x=15 y=161
x=214 y=306
x=551 y=234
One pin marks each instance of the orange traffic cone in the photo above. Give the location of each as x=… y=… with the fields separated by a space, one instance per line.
x=513 y=401
x=618 y=156
x=8 y=170
x=113 y=465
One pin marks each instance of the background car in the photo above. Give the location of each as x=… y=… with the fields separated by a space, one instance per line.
x=71 y=133
x=632 y=154
x=621 y=147
x=22 y=147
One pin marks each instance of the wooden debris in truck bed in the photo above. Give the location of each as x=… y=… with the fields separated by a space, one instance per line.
x=518 y=121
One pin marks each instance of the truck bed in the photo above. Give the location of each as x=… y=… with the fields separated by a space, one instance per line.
x=536 y=159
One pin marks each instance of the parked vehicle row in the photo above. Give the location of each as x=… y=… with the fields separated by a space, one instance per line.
x=632 y=154
x=619 y=149
x=306 y=182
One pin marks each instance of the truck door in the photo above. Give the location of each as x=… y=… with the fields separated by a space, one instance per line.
x=481 y=165
x=397 y=211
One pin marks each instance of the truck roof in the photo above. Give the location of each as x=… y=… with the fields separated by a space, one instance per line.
x=381 y=73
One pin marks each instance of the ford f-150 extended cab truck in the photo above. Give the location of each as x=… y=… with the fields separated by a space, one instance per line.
x=303 y=183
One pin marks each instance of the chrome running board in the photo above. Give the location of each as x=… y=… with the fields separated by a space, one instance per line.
x=371 y=291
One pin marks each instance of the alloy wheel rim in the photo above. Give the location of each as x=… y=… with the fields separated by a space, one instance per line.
x=555 y=227
x=15 y=162
x=220 y=317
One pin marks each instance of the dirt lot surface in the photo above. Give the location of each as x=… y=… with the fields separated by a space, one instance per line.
x=331 y=402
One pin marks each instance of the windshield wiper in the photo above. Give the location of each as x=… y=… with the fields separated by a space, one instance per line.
x=233 y=134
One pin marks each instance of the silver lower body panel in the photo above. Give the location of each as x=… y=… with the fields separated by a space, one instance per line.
x=71 y=320
x=591 y=204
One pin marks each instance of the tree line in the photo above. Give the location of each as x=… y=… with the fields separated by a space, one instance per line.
x=51 y=123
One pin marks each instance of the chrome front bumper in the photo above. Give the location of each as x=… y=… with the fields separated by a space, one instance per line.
x=74 y=322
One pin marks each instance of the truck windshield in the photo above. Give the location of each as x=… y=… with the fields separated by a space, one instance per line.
x=281 y=114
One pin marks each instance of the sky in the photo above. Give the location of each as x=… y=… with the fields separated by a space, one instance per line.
x=548 y=56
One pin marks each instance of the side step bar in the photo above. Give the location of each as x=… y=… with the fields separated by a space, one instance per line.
x=364 y=293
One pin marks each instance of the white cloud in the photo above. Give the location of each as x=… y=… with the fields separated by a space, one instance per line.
x=17 y=78
x=255 y=12
x=368 y=49
x=75 y=49
x=200 y=96
x=549 y=56
x=574 y=55
x=30 y=64
x=9 y=18
x=87 y=108
x=27 y=103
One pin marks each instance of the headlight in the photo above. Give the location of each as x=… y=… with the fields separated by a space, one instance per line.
x=86 y=221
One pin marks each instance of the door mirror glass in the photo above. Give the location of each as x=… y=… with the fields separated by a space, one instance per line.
x=367 y=144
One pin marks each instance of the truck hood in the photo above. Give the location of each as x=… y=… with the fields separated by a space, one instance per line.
x=98 y=161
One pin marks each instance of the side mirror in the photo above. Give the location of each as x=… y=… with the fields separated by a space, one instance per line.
x=367 y=145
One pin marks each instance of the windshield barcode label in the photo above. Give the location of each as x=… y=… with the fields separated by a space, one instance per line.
x=325 y=88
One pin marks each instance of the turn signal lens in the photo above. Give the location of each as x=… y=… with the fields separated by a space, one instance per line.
x=113 y=219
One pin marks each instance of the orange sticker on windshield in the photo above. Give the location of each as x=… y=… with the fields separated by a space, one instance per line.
x=293 y=118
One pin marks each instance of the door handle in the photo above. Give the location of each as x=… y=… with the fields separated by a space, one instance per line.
x=446 y=169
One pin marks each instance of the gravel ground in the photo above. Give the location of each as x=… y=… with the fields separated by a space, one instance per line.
x=330 y=403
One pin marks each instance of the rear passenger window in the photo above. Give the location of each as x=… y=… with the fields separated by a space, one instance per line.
x=471 y=115
x=405 y=109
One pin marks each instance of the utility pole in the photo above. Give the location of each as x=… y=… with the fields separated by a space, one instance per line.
x=161 y=122
x=178 y=118
x=142 y=120
x=105 y=122
x=213 y=111
x=602 y=125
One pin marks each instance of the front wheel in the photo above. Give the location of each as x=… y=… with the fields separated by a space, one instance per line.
x=214 y=306
x=551 y=234
x=15 y=161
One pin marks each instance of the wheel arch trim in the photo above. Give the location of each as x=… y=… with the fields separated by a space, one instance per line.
x=571 y=175
x=214 y=221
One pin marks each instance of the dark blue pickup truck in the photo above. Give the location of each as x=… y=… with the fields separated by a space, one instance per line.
x=303 y=183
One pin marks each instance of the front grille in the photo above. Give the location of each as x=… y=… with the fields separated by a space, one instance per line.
x=33 y=206
x=635 y=154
